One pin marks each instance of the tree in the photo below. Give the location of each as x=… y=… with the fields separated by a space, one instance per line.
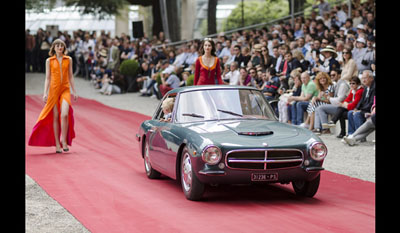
x=256 y=12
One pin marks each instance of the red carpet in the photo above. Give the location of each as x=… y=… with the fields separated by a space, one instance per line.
x=102 y=183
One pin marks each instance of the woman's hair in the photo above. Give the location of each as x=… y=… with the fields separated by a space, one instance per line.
x=213 y=50
x=53 y=45
x=318 y=77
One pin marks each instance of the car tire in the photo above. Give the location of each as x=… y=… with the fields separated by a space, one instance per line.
x=191 y=186
x=306 y=188
x=150 y=172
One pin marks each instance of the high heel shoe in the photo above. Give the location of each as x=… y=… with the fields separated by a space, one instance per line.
x=64 y=149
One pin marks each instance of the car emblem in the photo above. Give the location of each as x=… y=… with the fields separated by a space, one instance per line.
x=265 y=144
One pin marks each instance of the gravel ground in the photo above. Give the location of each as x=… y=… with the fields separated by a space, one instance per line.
x=44 y=214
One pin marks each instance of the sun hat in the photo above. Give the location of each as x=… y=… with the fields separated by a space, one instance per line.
x=329 y=48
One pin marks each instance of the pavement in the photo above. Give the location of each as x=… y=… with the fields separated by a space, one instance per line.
x=44 y=214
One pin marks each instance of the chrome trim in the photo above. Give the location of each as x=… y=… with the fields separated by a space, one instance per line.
x=312 y=145
x=265 y=161
x=204 y=150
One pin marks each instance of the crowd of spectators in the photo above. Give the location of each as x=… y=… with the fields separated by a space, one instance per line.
x=305 y=70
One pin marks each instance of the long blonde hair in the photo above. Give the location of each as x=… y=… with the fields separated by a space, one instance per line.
x=53 y=45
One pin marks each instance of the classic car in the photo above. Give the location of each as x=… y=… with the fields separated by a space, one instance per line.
x=222 y=134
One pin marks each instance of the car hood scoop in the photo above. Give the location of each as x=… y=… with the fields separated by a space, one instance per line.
x=249 y=128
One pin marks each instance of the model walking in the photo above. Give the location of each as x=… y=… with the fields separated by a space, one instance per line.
x=208 y=69
x=57 y=96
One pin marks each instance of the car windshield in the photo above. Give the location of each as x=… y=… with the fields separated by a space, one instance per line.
x=220 y=104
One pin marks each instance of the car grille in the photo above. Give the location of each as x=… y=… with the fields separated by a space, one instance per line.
x=264 y=159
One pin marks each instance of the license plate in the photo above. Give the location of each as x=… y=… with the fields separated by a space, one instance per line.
x=264 y=177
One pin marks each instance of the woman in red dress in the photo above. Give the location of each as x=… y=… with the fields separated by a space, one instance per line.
x=208 y=68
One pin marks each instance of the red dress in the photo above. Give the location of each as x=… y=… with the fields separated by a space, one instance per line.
x=205 y=75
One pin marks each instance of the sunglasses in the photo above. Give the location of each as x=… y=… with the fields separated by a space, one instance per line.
x=353 y=83
x=208 y=39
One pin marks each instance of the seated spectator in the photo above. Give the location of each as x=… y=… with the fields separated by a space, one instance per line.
x=325 y=89
x=290 y=63
x=308 y=91
x=169 y=81
x=348 y=104
x=245 y=79
x=284 y=106
x=341 y=91
x=349 y=69
x=330 y=63
x=357 y=116
x=115 y=84
x=233 y=75
x=271 y=85
x=364 y=130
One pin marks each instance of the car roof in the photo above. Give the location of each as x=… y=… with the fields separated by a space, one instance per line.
x=208 y=87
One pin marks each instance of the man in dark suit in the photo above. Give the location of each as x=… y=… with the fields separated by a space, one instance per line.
x=356 y=117
x=286 y=67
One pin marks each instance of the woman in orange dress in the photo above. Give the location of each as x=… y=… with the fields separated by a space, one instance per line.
x=57 y=96
x=208 y=68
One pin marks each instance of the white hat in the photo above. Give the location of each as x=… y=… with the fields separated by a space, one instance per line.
x=360 y=26
x=361 y=40
x=331 y=49
x=168 y=70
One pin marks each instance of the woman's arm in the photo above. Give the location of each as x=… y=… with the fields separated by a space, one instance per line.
x=72 y=80
x=46 y=81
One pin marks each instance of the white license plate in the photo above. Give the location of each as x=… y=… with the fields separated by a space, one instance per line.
x=264 y=177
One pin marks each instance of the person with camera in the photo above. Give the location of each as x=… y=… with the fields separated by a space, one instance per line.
x=363 y=55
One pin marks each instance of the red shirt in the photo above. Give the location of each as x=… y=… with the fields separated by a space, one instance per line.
x=353 y=101
x=205 y=75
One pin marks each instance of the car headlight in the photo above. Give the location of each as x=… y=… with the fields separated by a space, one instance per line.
x=318 y=151
x=211 y=155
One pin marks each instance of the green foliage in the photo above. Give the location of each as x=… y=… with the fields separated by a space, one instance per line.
x=190 y=80
x=129 y=67
x=256 y=12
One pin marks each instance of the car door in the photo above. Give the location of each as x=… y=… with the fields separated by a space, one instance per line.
x=163 y=146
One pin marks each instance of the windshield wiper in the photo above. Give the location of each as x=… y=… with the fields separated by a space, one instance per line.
x=192 y=115
x=229 y=112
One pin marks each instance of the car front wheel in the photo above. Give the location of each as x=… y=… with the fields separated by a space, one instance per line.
x=191 y=186
x=306 y=188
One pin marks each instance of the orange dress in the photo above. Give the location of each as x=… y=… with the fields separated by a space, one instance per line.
x=59 y=90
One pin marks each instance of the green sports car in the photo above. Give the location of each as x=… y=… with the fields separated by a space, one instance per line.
x=224 y=134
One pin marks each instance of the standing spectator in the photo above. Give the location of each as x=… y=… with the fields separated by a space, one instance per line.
x=357 y=116
x=322 y=7
x=29 y=45
x=113 y=58
x=208 y=68
x=308 y=91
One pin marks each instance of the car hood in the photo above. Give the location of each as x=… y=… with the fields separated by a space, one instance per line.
x=248 y=133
